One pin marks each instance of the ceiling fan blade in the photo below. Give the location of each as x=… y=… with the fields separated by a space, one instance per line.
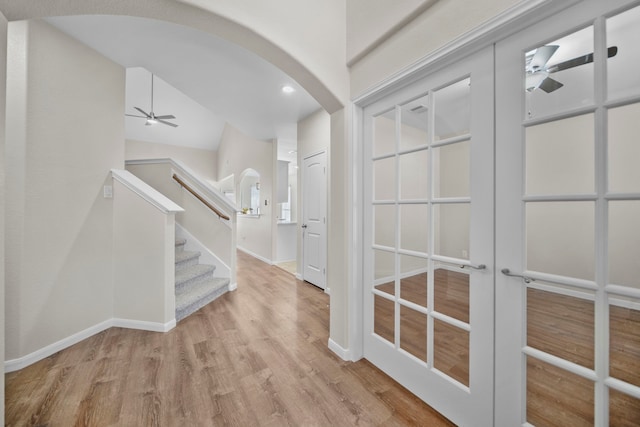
x=133 y=115
x=169 y=116
x=541 y=57
x=580 y=60
x=143 y=112
x=549 y=85
x=167 y=123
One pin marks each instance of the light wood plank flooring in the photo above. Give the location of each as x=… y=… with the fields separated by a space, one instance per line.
x=257 y=356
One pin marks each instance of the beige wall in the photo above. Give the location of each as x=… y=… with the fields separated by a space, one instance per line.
x=432 y=29
x=3 y=97
x=58 y=155
x=236 y=153
x=202 y=162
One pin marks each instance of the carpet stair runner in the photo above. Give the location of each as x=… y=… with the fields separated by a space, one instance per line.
x=195 y=284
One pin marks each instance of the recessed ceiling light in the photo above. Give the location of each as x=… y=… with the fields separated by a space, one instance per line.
x=288 y=89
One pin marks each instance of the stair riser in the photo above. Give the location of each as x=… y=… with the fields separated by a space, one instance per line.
x=186 y=263
x=185 y=285
x=182 y=312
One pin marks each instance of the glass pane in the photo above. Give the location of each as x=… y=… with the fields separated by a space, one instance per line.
x=384 y=267
x=623 y=32
x=560 y=157
x=414 y=175
x=451 y=351
x=384 y=219
x=556 y=397
x=452 y=230
x=413 y=132
x=560 y=238
x=624 y=149
x=384 y=134
x=413 y=332
x=453 y=110
x=624 y=344
x=561 y=325
x=559 y=75
x=384 y=179
x=624 y=410
x=451 y=293
x=384 y=323
x=413 y=282
x=414 y=227
x=624 y=243
x=451 y=164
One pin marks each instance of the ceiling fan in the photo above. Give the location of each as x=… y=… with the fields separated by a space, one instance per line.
x=151 y=117
x=537 y=70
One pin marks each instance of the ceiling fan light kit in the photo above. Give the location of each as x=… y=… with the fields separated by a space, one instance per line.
x=150 y=117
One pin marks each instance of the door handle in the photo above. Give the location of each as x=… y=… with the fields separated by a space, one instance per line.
x=304 y=225
x=474 y=266
x=508 y=272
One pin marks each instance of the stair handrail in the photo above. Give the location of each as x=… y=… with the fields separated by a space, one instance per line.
x=199 y=197
x=205 y=190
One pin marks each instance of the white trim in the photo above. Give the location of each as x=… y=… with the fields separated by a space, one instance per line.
x=233 y=286
x=144 y=190
x=299 y=276
x=342 y=352
x=143 y=325
x=40 y=354
x=206 y=256
x=255 y=255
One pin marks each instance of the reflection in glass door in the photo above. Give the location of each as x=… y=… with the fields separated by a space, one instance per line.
x=568 y=220
x=428 y=309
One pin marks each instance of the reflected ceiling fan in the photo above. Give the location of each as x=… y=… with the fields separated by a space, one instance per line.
x=151 y=117
x=537 y=69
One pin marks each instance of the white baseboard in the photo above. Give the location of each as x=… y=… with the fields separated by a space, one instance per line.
x=255 y=255
x=233 y=286
x=31 y=358
x=144 y=326
x=342 y=352
x=299 y=276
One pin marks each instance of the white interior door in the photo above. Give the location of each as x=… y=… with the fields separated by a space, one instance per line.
x=314 y=219
x=568 y=219
x=428 y=238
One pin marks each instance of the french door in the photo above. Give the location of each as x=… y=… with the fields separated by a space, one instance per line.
x=568 y=219
x=428 y=239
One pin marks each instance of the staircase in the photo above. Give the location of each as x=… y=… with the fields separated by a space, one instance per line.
x=195 y=284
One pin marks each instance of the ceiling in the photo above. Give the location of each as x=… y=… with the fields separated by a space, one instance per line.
x=203 y=80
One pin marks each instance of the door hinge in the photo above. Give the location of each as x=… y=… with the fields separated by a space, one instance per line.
x=324 y=272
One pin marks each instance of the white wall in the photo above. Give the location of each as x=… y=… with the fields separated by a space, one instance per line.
x=59 y=153
x=236 y=153
x=203 y=162
x=3 y=97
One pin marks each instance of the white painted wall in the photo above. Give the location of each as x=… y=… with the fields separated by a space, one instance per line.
x=432 y=29
x=203 y=162
x=143 y=259
x=59 y=154
x=236 y=153
x=3 y=104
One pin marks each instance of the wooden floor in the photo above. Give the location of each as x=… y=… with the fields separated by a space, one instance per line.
x=256 y=356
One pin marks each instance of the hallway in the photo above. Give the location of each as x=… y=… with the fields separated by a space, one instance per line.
x=255 y=356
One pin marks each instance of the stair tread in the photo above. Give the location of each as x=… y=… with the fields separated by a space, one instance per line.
x=200 y=291
x=180 y=242
x=193 y=272
x=186 y=255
